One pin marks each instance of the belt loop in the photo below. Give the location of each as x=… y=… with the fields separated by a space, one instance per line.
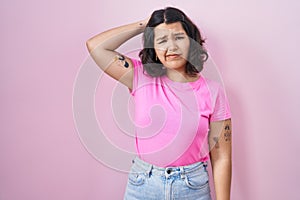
x=149 y=170
x=182 y=173
x=205 y=165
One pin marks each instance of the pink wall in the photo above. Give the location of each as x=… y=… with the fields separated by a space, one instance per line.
x=254 y=44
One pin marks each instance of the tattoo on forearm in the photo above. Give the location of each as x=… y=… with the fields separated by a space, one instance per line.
x=227 y=127
x=216 y=140
x=121 y=58
x=227 y=134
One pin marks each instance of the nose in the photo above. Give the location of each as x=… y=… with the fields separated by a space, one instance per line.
x=172 y=46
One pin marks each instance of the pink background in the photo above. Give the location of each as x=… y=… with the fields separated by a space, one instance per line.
x=254 y=44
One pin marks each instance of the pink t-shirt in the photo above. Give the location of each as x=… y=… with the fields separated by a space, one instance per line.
x=172 y=118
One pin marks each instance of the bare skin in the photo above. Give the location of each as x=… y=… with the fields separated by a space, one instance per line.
x=102 y=49
x=172 y=44
x=220 y=145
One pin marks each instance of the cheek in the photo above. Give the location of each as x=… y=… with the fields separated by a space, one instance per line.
x=160 y=52
x=160 y=48
x=185 y=46
x=185 y=50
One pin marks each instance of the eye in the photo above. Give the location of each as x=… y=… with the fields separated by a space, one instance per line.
x=162 y=41
x=179 y=38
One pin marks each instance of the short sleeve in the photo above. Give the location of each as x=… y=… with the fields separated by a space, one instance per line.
x=221 y=108
x=137 y=72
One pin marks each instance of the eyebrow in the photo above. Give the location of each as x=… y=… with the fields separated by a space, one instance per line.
x=165 y=36
x=161 y=38
x=180 y=33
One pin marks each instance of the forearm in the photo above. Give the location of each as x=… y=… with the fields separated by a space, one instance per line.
x=220 y=155
x=113 y=38
x=222 y=178
x=102 y=48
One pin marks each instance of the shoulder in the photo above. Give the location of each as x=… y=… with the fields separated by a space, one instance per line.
x=212 y=85
x=139 y=69
x=136 y=62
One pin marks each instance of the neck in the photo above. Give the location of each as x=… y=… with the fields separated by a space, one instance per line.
x=180 y=76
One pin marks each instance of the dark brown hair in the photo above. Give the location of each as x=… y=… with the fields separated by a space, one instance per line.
x=197 y=54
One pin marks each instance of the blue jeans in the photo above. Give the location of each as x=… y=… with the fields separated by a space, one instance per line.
x=149 y=182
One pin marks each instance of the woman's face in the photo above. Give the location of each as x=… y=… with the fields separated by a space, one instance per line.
x=171 y=44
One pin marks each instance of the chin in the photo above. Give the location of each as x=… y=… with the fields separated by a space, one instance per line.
x=174 y=65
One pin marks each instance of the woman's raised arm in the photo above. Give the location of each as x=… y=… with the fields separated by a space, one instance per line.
x=102 y=49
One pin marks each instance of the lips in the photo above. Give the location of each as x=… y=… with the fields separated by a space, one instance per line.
x=173 y=56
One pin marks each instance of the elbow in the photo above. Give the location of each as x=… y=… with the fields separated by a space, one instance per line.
x=217 y=156
x=89 y=45
x=222 y=161
x=92 y=46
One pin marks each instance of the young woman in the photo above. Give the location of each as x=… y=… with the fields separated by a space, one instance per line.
x=182 y=118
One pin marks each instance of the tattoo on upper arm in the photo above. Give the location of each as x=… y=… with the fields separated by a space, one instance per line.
x=227 y=134
x=121 y=58
x=216 y=140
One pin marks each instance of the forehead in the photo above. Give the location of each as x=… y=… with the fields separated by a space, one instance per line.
x=164 y=28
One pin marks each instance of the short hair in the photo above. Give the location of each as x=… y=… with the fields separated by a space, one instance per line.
x=197 y=54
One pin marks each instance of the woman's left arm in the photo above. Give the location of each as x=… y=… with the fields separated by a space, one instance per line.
x=220 y=155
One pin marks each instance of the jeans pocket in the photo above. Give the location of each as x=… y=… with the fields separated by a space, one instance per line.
x=136 y=178
x=197 y=180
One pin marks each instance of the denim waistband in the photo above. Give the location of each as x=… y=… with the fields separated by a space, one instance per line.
x=167 y=171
